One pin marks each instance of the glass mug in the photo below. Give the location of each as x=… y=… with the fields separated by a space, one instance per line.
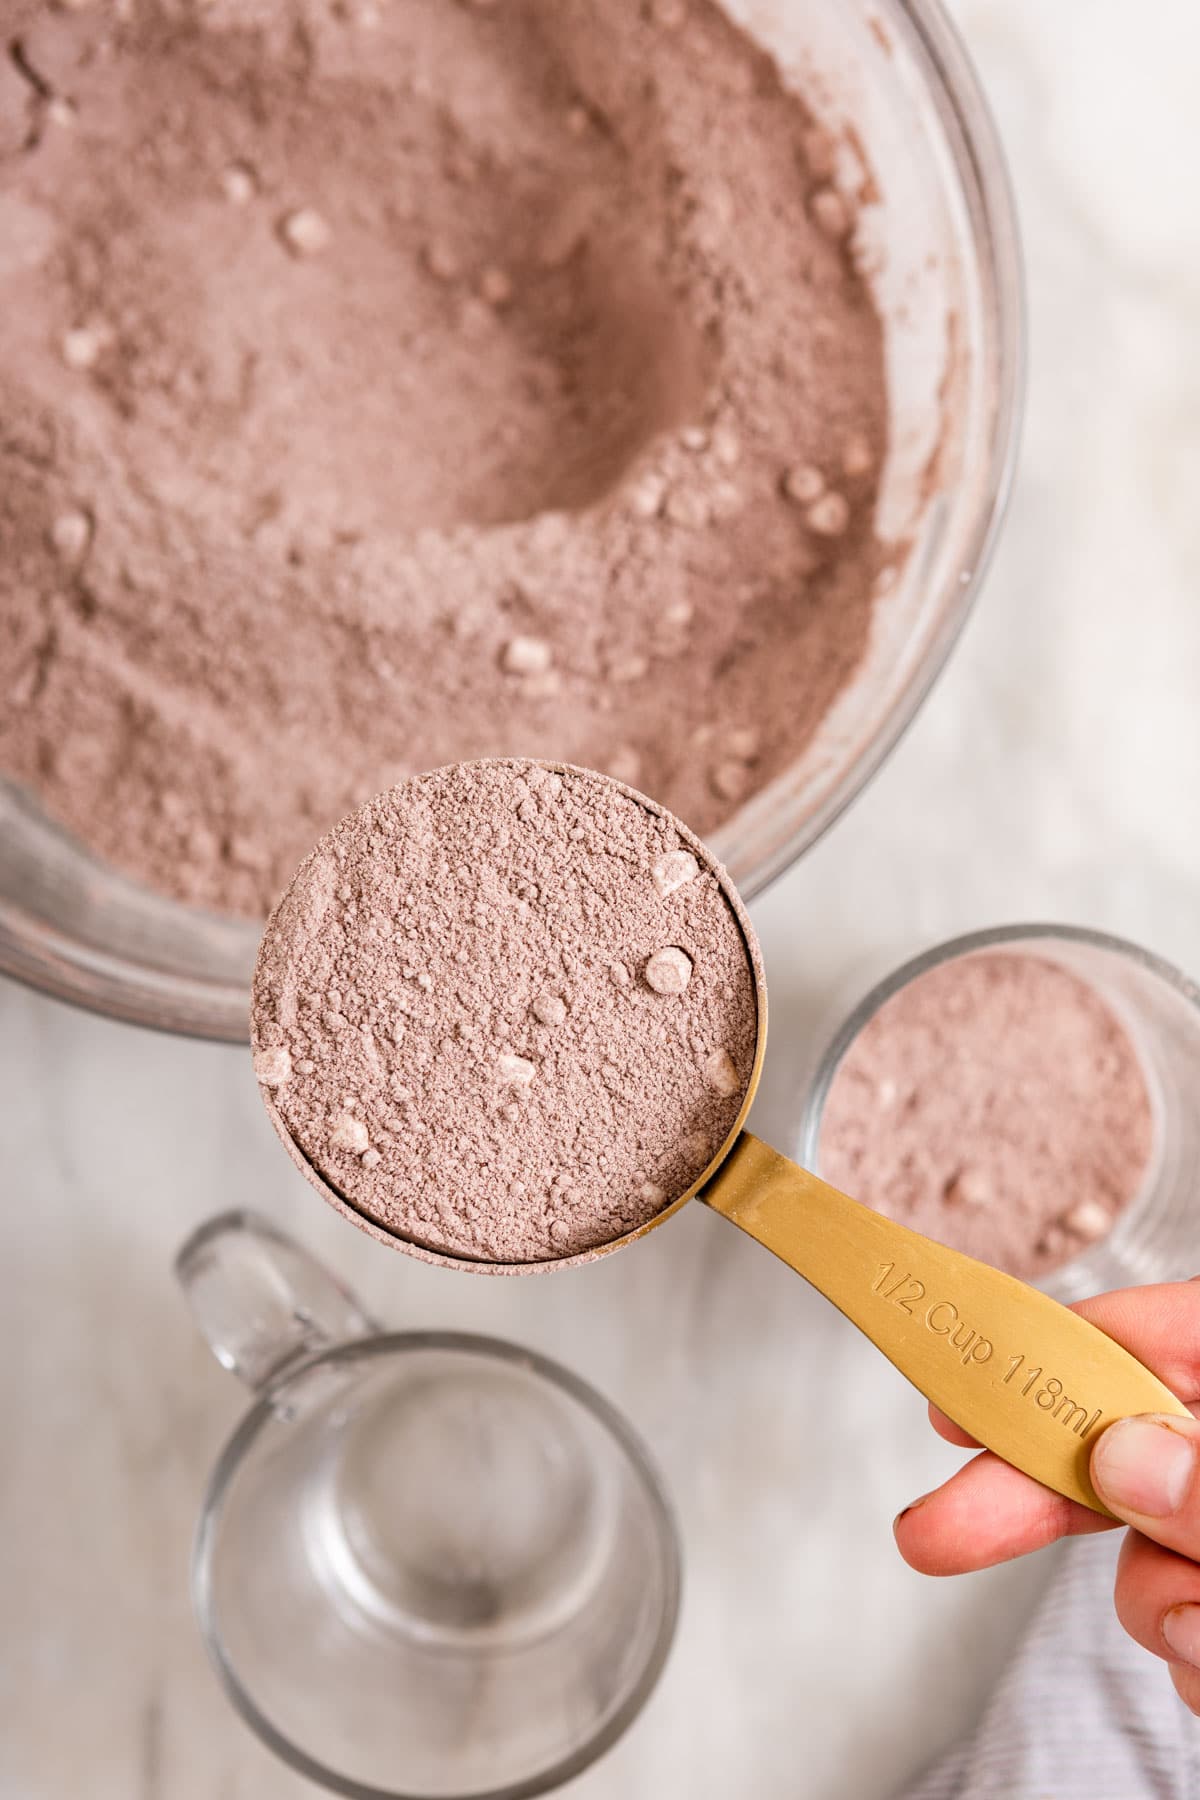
x=429 y=1565
x=1157 y=1236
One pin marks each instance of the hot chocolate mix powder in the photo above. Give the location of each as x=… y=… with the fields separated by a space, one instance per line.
x=995 y=1104
x=387 y=384
x=506 y=1012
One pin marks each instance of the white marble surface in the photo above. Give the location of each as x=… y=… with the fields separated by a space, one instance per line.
x=1053 y=774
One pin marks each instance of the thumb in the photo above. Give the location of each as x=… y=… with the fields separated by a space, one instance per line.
x=1147 y=1471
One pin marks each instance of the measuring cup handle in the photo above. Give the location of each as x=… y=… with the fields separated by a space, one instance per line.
x=260 y=1299
x=1033 y=1382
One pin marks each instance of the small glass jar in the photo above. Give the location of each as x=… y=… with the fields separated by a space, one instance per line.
x=1156 y=1237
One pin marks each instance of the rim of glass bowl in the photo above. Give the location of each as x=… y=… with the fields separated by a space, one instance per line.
x=949 y=950
x=261 y=1413
x=974 y=143
x=139 y=992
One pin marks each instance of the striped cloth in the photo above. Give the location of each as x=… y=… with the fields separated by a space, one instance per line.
x=1082 y=1713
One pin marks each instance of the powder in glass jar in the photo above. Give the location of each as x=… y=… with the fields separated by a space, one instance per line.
x=995 y=1104
x=506 y=1011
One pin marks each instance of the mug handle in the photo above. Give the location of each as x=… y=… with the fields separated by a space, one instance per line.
x=260 y=1299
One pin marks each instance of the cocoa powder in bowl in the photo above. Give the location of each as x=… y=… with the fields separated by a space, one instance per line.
x=383 y=385
x=507 y=1012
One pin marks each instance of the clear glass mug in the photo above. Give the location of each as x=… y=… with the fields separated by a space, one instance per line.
x=429 y=1565
x=1157 y=1236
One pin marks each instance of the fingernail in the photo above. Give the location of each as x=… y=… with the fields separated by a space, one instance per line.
x=1181 y=1632
x=1143 y=1466
x=911 y=1508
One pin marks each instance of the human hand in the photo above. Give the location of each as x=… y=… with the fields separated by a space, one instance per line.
x=1146 y=1470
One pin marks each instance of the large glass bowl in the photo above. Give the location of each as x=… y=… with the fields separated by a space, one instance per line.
x=940 y=243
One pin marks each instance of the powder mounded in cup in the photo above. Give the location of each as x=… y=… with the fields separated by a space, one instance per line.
x=997 y=1105
x=507 y=1012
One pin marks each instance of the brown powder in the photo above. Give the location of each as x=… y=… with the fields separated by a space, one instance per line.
x=997 y=1105
x=382 y=386
x=507 y=1012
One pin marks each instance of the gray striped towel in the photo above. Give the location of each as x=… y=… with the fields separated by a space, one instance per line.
x=1082 y=1712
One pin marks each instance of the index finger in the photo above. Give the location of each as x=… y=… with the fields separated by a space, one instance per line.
x=1160 y=1325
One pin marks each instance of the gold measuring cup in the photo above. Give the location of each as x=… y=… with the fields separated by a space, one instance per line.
x=1028 y=1378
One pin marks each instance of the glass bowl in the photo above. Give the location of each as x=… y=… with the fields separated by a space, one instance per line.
x=1156 y=1237
x=890 y=79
